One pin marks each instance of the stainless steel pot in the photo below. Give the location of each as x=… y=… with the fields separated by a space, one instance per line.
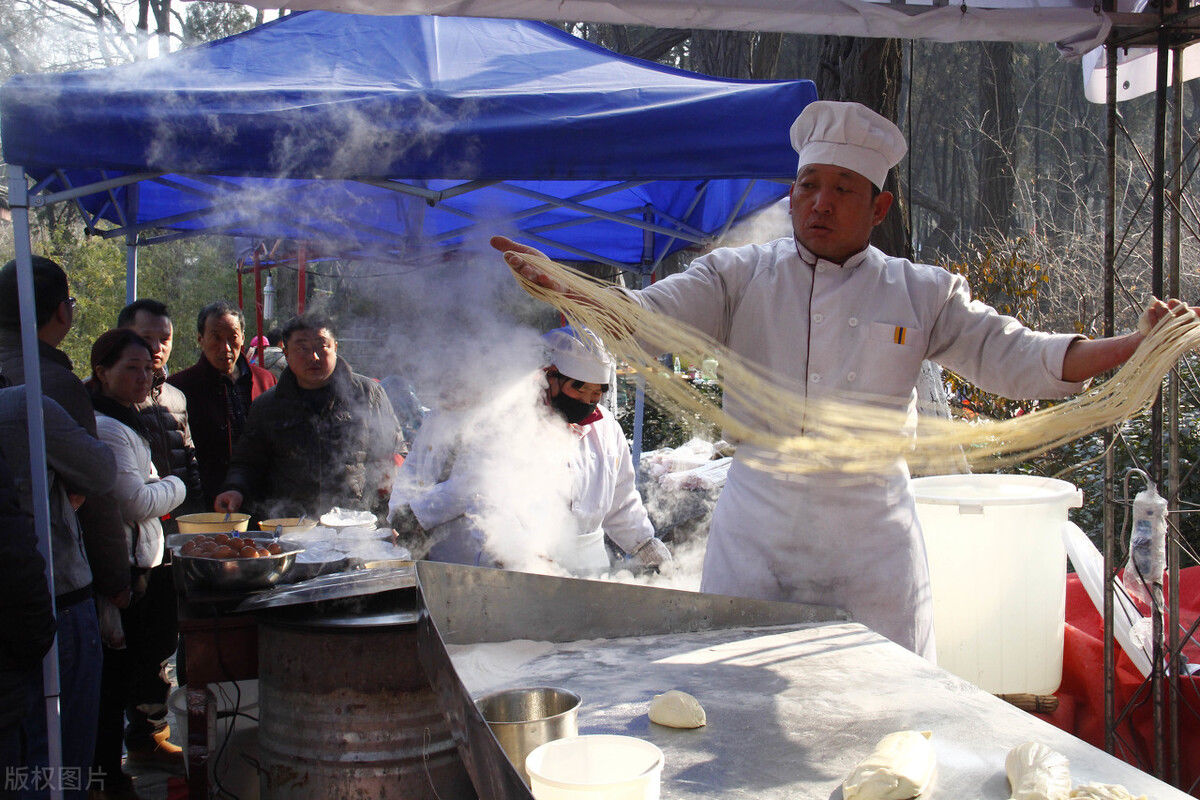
x=523 y=719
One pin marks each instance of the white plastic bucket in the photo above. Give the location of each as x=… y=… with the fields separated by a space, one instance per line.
x=998 y=570
x=237 y=775
x=595 y=767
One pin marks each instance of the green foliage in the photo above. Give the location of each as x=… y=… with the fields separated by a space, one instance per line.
x=185 y=274
x=207 y=21
x=1001 y=275
x=664 y=426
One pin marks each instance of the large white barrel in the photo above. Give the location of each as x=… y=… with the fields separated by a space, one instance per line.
x=998 y=569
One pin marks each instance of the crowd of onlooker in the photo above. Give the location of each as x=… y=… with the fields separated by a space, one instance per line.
x=128 y=450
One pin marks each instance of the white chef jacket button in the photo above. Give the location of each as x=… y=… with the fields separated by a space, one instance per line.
x=818 y=318
x=854 y=322
x=851 y=376
x=815 y=377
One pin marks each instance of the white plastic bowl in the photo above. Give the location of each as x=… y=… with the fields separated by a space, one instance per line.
x=595 y=767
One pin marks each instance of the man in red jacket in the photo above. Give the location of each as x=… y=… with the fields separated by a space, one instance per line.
x=219 y=389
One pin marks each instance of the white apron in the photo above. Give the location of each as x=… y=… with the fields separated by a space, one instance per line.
x=855 y=547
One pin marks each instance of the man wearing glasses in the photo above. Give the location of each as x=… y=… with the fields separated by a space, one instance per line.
x=324 y=436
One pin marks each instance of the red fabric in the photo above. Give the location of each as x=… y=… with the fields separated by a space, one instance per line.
x=1081 y=695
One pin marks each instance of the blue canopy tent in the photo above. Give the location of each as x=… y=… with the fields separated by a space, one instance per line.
x=375 y=134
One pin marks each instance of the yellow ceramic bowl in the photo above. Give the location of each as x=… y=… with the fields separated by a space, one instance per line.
x=212 y=522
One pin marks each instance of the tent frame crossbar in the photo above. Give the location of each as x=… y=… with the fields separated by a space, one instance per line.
x=542 y=209
x=640 y=223
x=431 y=196
x=42 y=199
x=683 y=231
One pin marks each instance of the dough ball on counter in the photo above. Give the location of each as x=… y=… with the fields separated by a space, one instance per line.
x=1035 y=772
x=901 y=766
x=677 y=709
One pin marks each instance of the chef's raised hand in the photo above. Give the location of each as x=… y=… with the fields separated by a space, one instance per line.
x=512 y=256
x=1159 y=309
x=228 y=502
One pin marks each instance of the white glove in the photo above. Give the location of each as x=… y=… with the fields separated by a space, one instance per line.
x=653 y=553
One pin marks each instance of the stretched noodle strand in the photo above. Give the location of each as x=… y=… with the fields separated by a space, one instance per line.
x=790 y=434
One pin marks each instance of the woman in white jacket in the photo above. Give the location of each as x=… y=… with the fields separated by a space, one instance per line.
x=122 y=375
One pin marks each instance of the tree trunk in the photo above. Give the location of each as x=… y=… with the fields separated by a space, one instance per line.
x=998 y=136
x=869 y=71
x=722 y=54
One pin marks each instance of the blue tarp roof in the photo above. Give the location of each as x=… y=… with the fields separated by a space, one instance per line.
x=376 y=132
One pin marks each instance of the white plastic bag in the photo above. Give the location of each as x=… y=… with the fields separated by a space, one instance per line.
x=1147 y=544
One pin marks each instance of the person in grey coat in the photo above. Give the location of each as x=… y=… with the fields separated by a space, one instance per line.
x=80 y=465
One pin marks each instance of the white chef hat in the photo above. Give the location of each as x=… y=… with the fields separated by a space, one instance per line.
x=848 y=135
x=578 y=354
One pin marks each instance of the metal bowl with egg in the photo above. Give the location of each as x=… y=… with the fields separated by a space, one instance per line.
x=233 y=573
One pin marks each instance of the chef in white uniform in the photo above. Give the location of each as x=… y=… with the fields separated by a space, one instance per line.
x=831 y=315
x=439 y=486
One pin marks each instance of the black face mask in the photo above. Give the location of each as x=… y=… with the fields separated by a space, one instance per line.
x=575 y=411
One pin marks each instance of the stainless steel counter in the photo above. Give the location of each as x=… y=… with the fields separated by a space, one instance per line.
x=792 y=710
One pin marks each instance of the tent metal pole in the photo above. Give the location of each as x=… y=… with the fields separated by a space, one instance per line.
x=131 y=249
x=258 y=296
x=1158 y=672
x=639 y=399
x=89 y=221
x=662 y=253
x=733 y=212
x=1174 y=646
x=18 y=200
x=1109 y=510
x=301 y=277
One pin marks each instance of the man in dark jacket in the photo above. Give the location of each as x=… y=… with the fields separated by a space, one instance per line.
x=323 y=437
x=219 y=389
x=164 y=412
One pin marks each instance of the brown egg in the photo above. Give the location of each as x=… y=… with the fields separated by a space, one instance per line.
x=263 y=552
x=274 y=548
x=248 y=552
x=221 y=538
x=223 y=551
x=189 y=548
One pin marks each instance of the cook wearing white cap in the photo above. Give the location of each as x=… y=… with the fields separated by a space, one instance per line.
x=830 y=316
x=438 y=487
x=604 y=497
